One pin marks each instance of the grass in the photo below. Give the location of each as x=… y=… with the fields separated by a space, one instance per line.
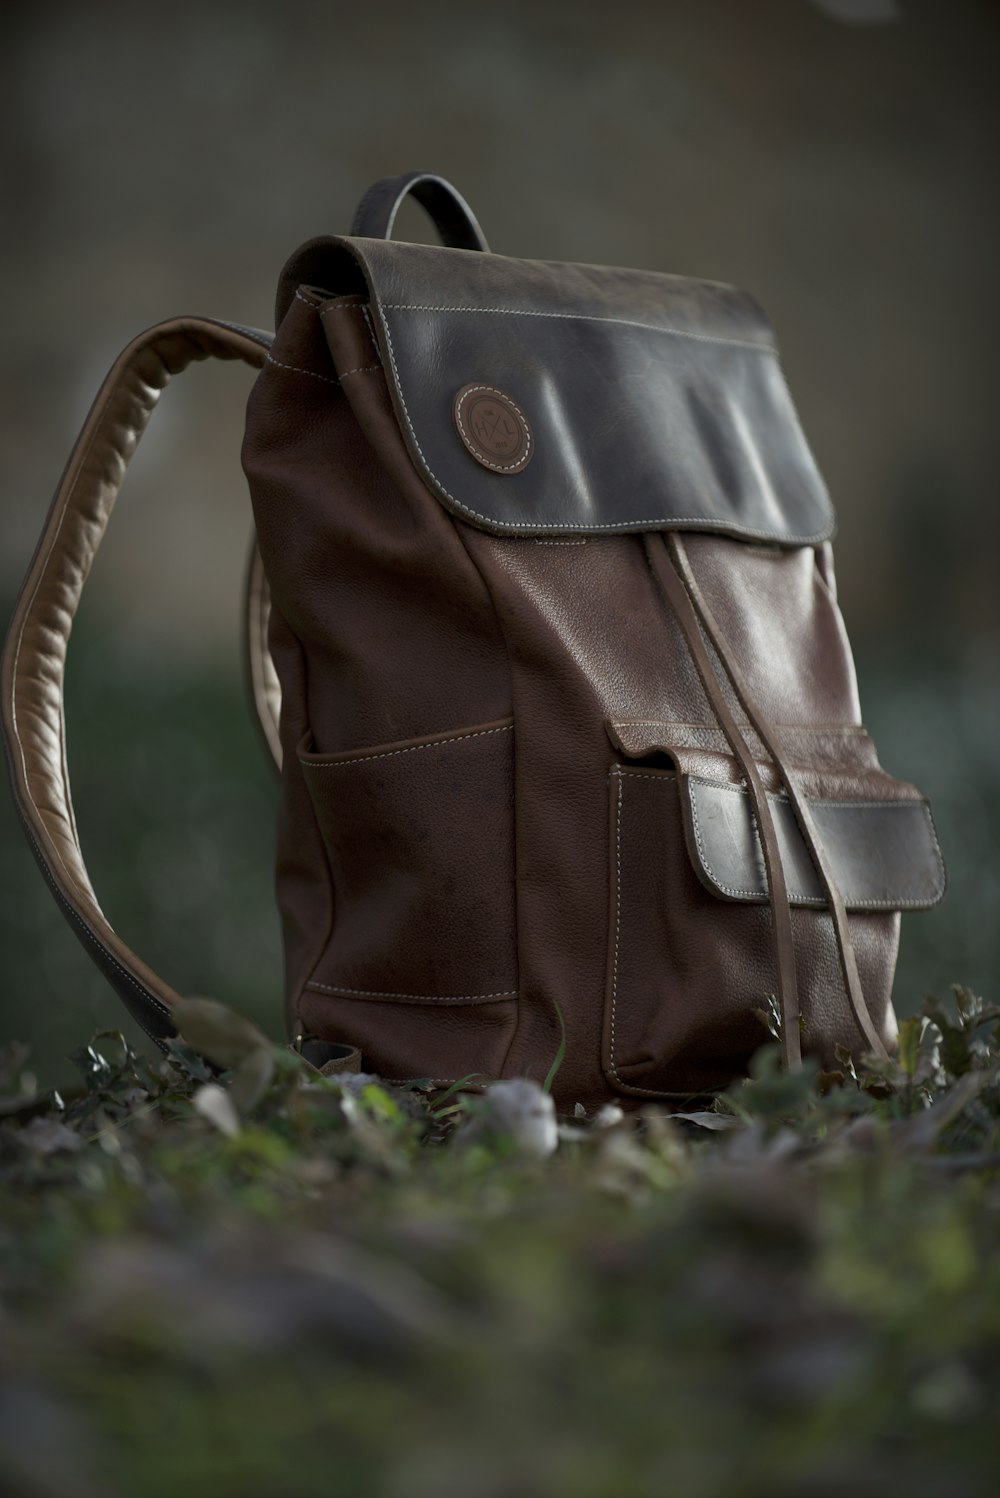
x=261 y=1281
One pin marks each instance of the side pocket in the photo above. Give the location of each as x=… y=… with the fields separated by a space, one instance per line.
x=419 y=838
x=690 y=940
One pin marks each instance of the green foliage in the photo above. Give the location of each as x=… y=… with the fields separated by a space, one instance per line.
x=258 y=1279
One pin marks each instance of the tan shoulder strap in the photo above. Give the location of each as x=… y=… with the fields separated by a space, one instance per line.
x=34 y=655
x=262 y=679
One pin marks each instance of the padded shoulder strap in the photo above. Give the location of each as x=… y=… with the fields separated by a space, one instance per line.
x=262 y=679
x=34 y=655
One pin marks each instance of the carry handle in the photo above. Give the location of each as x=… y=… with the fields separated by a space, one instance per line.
x=449 y=212
x=34 y=655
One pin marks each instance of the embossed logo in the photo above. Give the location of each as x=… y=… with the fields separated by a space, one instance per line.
x=493 y=428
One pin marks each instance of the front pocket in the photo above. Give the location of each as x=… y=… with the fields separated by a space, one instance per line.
x=690 y=935
x=419 y=839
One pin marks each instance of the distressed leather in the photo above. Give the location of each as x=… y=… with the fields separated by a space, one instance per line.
x=884 y=853
x=655 y=402
x=542 y=764
x=402 y=619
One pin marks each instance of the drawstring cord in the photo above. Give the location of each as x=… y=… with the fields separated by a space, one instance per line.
x=672 y=570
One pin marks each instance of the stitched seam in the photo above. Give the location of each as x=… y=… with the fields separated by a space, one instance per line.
x=798 y=895
x=649 y=774
x=255 y=335
x=480 y=733
x=726 y=888
x=618 y=922
x=738 y=790
x=522 y=462
x=810 y=728
x=623 y=322
x=295 y=369
x=420 y=998
x=629 y=1087
x=539 y=542
x=353 y=307
x=360 y=369
x=729 y=528
x=306 y=302
x=371 y=330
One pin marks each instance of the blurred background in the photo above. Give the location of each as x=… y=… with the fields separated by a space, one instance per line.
x=836 y=157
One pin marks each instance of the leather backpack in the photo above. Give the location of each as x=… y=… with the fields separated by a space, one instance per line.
x=544 y=638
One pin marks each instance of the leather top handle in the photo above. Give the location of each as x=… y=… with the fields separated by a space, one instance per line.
x=313 y=262
x=449 y=212
x=34 y=655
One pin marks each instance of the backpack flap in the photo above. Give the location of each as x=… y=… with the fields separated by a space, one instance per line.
x=625 y=400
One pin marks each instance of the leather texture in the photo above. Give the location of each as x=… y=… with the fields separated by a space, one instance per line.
x=34 y=656
x=447 y=209
x=885 y=854
x=654 y=401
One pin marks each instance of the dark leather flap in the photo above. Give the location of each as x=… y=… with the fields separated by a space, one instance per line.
x=653 y=401
x=885 y=853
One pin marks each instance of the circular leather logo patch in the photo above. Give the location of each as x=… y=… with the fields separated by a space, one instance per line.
x=493 y=428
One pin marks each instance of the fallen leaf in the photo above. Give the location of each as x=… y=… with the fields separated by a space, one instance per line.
x=215 y=1104
x=217 y=1032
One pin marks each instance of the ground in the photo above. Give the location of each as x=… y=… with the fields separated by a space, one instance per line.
x=254 y=1280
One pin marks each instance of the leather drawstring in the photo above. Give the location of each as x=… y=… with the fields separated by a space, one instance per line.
x=672 y=569
x=781 y=912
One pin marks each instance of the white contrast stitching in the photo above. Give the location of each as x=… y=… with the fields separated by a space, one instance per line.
x=297 y=370
x=618 y=922
x=361 y=369
x=799 y=896
x=415 y=998
x=353 y=307
x=255 y=335
x=624 y=322
x=621 y=775
x=371 y=330
x=728 y=527
x=411 y=749
x=541 y=542
x=306 y=302
x=522 y=462
x=810 y=728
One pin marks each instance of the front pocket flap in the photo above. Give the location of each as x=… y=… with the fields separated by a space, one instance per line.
x=885 y=854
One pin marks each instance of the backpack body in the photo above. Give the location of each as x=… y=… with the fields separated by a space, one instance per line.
x=514 y=798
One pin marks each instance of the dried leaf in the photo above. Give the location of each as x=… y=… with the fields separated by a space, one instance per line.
x=916 y=1135
x=217 y=1032
x=47 y=1135
x=252 y=1078
x=715 y=1121
x=215 y=1104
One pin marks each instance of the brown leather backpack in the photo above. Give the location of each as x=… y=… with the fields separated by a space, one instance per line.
x=569 y=730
